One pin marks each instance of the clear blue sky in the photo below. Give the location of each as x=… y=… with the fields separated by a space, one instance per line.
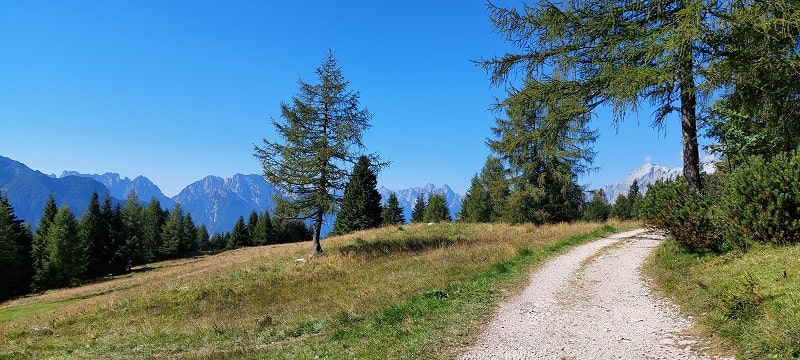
x=177 y=90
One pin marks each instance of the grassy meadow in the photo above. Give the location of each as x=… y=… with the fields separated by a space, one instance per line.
x=746 y=301
x=417 y=291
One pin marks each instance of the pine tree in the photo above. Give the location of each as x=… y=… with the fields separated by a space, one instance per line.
x=252 y=220
x=418 y=212
x=361 y=205
x=203 y=239
x=322 y=131
x=189 y=240
x=40 y=251
x=437 y=210
x=16 y=266
x=392 y=213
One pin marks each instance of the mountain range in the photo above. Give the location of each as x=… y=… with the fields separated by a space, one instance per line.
x=214 y=201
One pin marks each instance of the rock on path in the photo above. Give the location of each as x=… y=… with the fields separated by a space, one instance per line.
x=589 y=303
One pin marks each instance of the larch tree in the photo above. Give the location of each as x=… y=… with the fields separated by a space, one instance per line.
x=361 y=205
x=321 y=137
x=613 y=53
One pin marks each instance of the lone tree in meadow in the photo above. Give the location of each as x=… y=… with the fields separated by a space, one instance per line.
x=321 y=135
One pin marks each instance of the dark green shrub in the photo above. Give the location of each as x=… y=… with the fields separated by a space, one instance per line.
x=762 y=201
x=689 y=217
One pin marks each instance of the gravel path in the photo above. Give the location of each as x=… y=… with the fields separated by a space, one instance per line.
x=590 y=303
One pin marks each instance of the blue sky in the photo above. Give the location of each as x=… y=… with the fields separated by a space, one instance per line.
x=177 y=90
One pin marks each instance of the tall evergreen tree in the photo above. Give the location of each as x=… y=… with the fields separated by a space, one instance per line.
x=39 y=251
x=203 y=238
x=321 y=132
x=94 y=233
x=263 y=232
x=153 y=220
x=436 y=210
x=392 y=213
x=173 y=234
x=132 y=220
x=16 y=265
x=189 y=241
x=66 y=257
x=577 y=56
x=476 y=206
x=119 y=261
x=361 y=206
x=418 y=212
x=598 y=208
x=239 y=236
x=252 y=220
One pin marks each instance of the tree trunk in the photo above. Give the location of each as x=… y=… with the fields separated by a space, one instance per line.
x=691 y=155
x=316 y=247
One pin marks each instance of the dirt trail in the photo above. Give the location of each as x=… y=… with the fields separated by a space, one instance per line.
x=589 y=303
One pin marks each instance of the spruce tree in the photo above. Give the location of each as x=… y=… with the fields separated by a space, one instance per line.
x=39 y=251
x=263 y=232
x=361 y=205
x=322 y=133
x=189 y=240
x=392 y=213
x=239 y=236
x=153 y=219
x=16 y=266
x=94 y=233
x=418 y=212
x=66 y=257
x=436 y=210
x=476 y=206
x=203 y=239
x=132 y=220
x=252 y=220
x=598 y=209
x=173 y=234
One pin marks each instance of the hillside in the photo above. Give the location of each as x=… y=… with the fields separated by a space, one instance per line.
x=413 y=292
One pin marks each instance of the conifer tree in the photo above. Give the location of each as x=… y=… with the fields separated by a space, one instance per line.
x=119 y=257
x=189 y=241
x=94 y=233
x=132 y=221
x=418 y=212
x=392 y=213
x=322 y=134
x=577 y=56
x=476 y=206
x=16 y=266
x=252 y=220
x=203 y=239
x=598 y=208
x=173 y=234
x=153 y=219
x=436 y=210
x=263 y=232
x=40 y=251
x=239 y=236
x=361 y=205
x=66 y=257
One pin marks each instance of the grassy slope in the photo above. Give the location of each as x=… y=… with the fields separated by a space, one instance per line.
x=748 y=301
x=413 y=292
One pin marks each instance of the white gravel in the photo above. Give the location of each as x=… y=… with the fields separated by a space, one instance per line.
x=589 y=303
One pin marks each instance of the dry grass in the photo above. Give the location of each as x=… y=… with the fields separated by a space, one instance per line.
x=261 y=302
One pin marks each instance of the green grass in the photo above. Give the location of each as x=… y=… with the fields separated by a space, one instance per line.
x=393 y=293
x=11 y=314
x=749 y=301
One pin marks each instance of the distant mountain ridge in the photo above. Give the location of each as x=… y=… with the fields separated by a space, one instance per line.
x=27 y=190
x=644 y=175
x=120 y=187
x=214 y=201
